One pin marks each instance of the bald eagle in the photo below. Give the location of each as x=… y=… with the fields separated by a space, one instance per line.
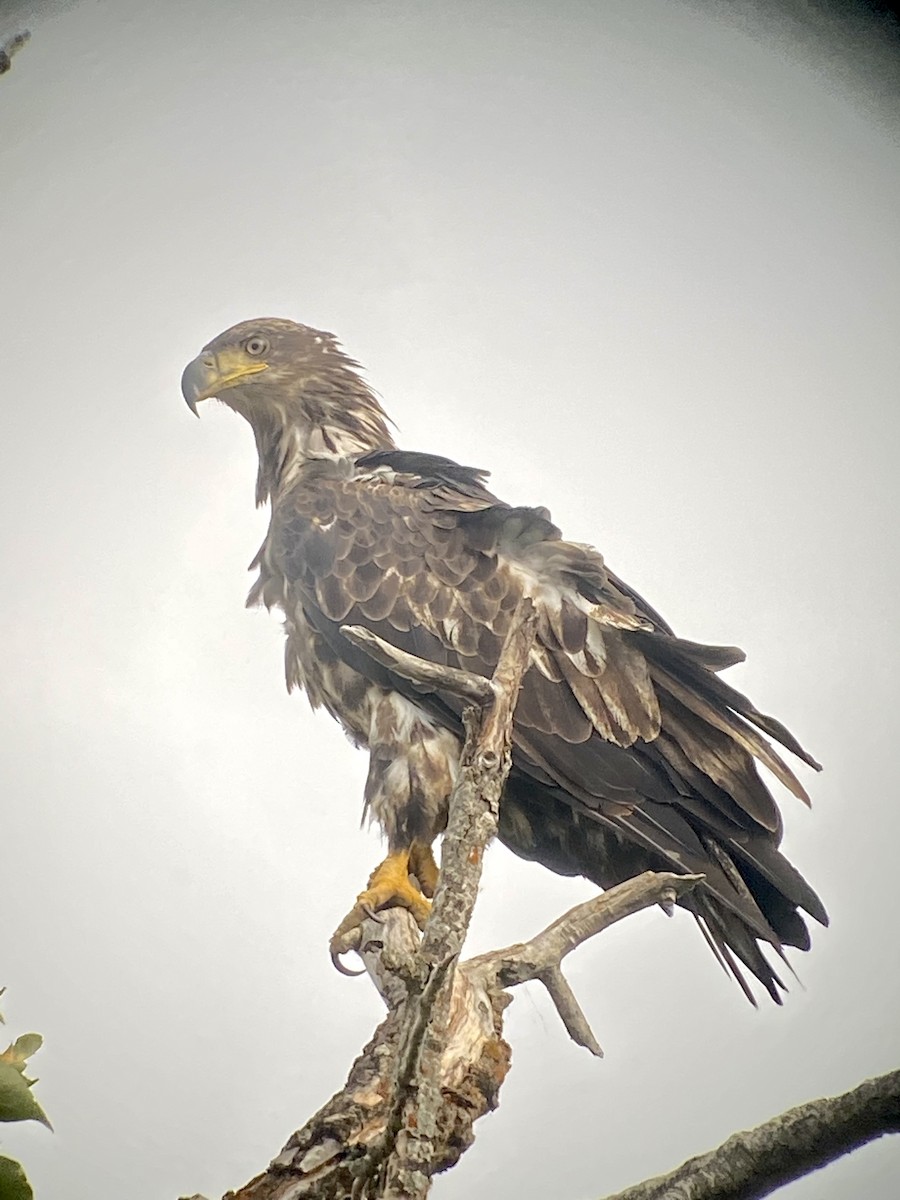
x=630 y=751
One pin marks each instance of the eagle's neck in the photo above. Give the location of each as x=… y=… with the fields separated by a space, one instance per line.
x=331 y=418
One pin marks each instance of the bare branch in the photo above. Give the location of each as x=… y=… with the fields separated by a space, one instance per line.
x=349 y=1141
x=436 y=1063
x=541 y=958
x=754 y=1163
x=388 y=947
x=529 y=960
x=570 y=1011
x=473 y=688
x=472 y=824
x=438 y=1060
x=11 y=47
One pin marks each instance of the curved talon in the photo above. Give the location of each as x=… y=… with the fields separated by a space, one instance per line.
x=389 y=885
x=339 y=966
x=343 y=941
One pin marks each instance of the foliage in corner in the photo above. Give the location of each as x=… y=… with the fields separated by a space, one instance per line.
x=17 y=1103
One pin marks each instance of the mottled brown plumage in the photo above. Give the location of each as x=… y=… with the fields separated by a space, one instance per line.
x=630 y=750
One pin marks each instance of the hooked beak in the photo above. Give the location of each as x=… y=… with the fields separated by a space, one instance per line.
x=212 y=373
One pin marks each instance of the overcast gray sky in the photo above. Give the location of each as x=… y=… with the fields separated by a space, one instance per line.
x=638 y=257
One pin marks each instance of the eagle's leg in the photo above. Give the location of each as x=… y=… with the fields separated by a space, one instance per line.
x=390 y=886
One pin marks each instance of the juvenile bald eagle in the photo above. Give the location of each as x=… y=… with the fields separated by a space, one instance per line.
x=630 y=751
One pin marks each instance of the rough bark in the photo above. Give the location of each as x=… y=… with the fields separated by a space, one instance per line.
x=417 y=1141
x=350 y=1147
x=801 y=1140
x=745 y=1167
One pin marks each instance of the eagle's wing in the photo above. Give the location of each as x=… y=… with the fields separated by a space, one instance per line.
x=630 y=751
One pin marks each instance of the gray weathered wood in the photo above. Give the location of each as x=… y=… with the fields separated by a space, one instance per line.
x=754 y=1163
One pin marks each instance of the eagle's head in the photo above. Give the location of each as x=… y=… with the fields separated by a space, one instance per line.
x=261 y=362
x=303 y=396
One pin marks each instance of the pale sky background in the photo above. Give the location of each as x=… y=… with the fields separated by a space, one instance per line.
x=641 y=258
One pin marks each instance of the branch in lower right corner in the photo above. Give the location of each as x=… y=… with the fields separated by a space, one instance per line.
x=803 y=1139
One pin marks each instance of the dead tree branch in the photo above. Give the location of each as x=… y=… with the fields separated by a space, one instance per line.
x=10 y=48
x=803 y=1139
x=404 y=1159
x=541 y=958
x=473 y=688
x=438 y=1060
x=436 y=1063
x=345 y=1148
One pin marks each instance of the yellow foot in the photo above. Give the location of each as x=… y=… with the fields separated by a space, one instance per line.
x=423 y=866
x=389 y=886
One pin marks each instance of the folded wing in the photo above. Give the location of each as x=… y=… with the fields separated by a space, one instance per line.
x=630 y=750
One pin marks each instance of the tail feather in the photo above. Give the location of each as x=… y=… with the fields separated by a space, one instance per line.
x=749 y=900
x=733 y=941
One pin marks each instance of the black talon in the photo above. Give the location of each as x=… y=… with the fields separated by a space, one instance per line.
x=339 y=966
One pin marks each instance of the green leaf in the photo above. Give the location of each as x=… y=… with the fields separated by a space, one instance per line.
x=17 y=1102
x=21 y=1050
x=13 y=1184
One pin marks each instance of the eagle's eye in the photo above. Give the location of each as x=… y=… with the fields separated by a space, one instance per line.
x=256 y=345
